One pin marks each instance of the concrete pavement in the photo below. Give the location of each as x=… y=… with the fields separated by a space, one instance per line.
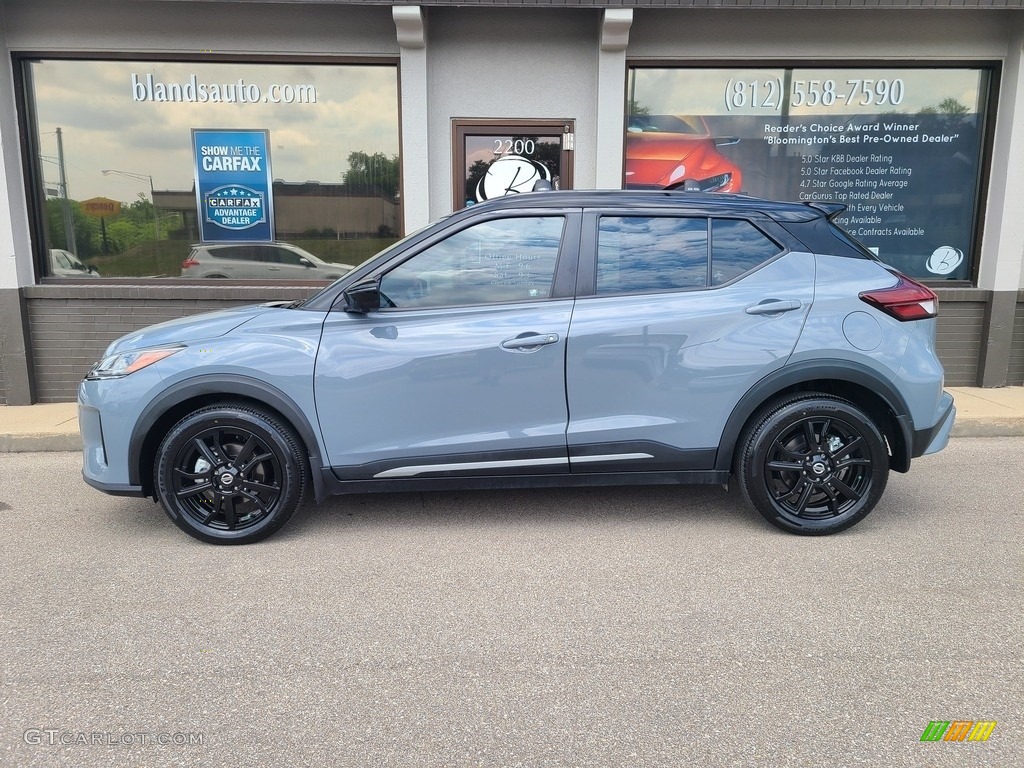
x=54 y=426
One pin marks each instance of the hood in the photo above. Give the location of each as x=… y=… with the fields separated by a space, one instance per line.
x=188 y=329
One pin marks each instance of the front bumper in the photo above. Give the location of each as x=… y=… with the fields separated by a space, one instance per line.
x=107 y=410
x=114 y=489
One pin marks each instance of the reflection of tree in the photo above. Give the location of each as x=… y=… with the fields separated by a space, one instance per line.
x=376 y=171
x=132 y=227
x=636 y=108
x=549 y=154
x=476 y=172
x=84 y=227
x=948 y=106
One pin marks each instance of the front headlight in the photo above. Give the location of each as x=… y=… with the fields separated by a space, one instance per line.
x=123 y=363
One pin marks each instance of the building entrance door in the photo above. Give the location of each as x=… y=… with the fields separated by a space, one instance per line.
x=494 y=158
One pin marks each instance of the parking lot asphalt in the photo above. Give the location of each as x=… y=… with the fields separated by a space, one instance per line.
x=590 y=627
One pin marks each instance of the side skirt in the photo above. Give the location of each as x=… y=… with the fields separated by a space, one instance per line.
x=334 y=486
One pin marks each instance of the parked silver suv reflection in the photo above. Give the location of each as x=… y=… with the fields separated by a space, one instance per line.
x=258 y=261
x=560 y=338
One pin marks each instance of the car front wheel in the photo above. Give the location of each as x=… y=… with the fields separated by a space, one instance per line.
x=230 y=474
x=812 y=464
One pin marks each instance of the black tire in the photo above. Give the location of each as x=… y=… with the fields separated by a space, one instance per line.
x=812 y=464
x=230 y=474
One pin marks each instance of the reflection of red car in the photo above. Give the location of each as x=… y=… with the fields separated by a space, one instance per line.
x=663 y=151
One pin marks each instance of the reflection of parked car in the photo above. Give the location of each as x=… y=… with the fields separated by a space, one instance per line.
x=664 y=150
x=578 y=338
x=258 y=261
x=66 y=264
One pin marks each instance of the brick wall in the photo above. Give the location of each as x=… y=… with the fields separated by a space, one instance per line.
x=70 y=326
x=1016 y=371
x=958 y=337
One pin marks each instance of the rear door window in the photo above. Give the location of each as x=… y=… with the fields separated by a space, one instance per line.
x=639 y=254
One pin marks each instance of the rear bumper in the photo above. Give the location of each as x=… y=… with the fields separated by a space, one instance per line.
x=935 y=438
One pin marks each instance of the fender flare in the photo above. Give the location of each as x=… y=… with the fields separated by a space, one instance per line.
x=791 y=375
x=225 y=385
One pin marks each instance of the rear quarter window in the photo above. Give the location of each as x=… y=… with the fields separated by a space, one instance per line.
x=737 y=246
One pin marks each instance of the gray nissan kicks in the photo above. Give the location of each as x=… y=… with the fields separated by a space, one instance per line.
x=556 y=338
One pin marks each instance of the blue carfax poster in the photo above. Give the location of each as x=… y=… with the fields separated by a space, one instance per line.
x=234 y=196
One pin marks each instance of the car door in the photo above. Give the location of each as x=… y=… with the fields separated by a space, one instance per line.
x=684 y=314
x=242 y=262
x=284 y=264
x=462 y=369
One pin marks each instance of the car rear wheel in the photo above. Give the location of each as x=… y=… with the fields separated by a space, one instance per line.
x=812 y=464
x=230 y=474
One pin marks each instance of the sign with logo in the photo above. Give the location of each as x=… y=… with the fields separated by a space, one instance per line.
x=101 y=207
x=234 y=192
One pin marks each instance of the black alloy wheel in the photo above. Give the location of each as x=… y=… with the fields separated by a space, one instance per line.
x=230 y=474
x=813 y=464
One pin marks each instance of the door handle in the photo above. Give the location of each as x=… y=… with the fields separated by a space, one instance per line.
x=773 y=306
x=529 y=341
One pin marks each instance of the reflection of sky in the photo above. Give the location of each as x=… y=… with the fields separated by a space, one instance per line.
x=103 y=127
x=703 y=91
x=637 y=253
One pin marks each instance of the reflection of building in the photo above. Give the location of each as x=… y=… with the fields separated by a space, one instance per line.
x=490 y=62
x=305 y=209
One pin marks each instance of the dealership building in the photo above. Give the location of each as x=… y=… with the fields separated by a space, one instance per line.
x=138 y=133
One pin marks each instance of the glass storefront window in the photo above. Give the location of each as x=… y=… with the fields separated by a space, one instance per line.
x=901 y=147
x=139 y=162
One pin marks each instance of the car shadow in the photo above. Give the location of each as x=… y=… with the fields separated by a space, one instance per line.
x=690 y=504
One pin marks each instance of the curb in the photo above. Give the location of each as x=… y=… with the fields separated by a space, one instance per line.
x=992 y=427
x=40 y=443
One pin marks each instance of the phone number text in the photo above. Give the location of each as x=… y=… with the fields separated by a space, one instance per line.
x=771 y=94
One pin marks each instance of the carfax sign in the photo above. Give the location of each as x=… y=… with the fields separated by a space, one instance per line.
x=234 y=193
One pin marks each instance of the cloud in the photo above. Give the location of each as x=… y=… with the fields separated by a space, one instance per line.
x=104 y=126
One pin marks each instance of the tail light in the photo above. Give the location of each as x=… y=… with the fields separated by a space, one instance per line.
x=907 y=300
x=189 y=262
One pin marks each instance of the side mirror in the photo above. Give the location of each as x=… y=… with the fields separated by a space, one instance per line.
x=725 y=141
x=363 y=297
x=305 y=262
